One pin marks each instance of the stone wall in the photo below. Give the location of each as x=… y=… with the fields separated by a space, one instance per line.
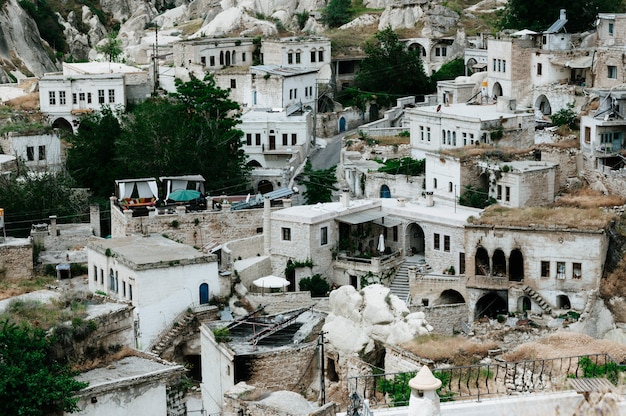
x=327 y=124
x=409 y=187
x=242 y=249
x=114 y=328
x=280 y=302
x=290 y=369
x=398 y=360
x=567 y=160
x=16 y=258
x=446 y=319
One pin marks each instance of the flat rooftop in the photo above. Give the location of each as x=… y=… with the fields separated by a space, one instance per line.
x=94 y=68
x=483 y=112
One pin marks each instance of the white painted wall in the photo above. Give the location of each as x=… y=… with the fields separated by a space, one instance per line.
x=139 y=400
x=218 y=371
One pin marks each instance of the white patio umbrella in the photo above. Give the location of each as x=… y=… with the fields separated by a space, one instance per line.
x=381 y=243
x=271 y=282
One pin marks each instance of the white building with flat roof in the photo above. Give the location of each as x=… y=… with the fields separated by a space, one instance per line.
x=158 y=276
x=300 y=52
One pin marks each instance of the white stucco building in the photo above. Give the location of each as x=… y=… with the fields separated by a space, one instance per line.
x=85 y=87
x=159 y=277
x=299 y=51
x=38 y=152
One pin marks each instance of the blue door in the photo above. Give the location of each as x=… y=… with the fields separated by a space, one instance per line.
x=342 y=124
x=385 y=192
x=204 y=293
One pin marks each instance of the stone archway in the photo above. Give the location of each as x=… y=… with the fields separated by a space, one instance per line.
x=516 y=266
x=482 y=262
x=499 y=263
x=449 y=297
x=490 y=305
x=416 y=240
x=63 y=124
x=497 y=90
x=524 y=304
x=563 y=302
x=542 y=104
x=264 y=186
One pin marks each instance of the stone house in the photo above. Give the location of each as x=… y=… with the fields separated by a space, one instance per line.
x=38 y=152
x=16 y=256
x=300 y=52
x=434 y=51
x=611 y=39
x=159 y=277
x=84 y=87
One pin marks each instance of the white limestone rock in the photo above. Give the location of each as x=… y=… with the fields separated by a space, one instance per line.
x=401 y=17
x=172 y=17
x=361 y=21
x=233 y=18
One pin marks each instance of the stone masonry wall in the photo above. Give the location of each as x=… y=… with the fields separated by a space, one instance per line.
x=16 y=259
x=290 y=369
x=446 y=319
x=567 y=160
x=280 y=302
x=398 y=360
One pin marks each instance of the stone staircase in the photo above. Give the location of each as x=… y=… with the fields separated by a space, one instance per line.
x=176 y=328
x=400 y=284
x=538 y=299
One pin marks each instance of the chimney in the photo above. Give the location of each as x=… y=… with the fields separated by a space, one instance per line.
x=345 y=198
x=424 y=399
x=429 y=199
x=562 y=15
x=287 y=202
x=401 y=202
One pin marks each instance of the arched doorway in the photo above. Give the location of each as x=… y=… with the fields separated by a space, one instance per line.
x=265 y=186
x=290 y=275
x=542 y=104
x=482 y=262
x=490 y=305
x=516 y=266
x=204 y=293
x=416 y=241
x=62 y=124
x=497 y=90
x=385 y=192
x=373 y=112
x=469 y=66
x=342 y=124
x=499 y=263
x=524 y=304
x=449 y=297
x=562 y=302
x=254 y=164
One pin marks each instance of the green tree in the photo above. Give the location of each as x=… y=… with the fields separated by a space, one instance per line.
x=316 y=285
x=539 y=15
x=319 y=184
x=90 y=157
x=47 y=22
x=190 y=131
x=111 y=47
x=473 y=197
x=565 y=117
x=337 y=13
x=31 y=381
x=449 y=70
x=390 y=69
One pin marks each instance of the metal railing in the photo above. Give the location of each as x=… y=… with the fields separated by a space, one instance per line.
x=478 y=381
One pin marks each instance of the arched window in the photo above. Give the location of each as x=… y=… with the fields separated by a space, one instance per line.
x=232 y=58
x=449 y=186
x=443 y=137
x=454 y=138
x=221 y=57
x=111 y=280
x=449 y=136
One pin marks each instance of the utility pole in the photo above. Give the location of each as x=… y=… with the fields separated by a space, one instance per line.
x=320 y=344
x=155 y=57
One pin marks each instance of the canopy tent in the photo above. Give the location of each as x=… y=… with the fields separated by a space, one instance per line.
x=174 y=183
x=145 y=188
x=271 y=282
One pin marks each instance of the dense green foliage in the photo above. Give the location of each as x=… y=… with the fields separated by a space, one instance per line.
x=404 y=166
x=591 y=369
x=565 y=117
x=476 y=198
x=31 y=381
x=192 y=131
x=316 y=285
x=449 y=70
x=337 y=13
x=539 y=15
x=49 y=27
x=390 y=69
x=111 y=48
x=319 y=184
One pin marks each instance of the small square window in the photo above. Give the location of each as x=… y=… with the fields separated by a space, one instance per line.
x=286 y=233
x=612 y=72
x=30 y=153
x=233 y=83
x=323 y=236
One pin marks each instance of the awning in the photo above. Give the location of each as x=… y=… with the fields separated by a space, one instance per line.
x=580 y=62
x=480 y=65
x=360 y=217
x=388 y=221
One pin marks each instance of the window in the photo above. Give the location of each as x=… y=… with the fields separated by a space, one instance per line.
x=294 y=139
x=504 y=65
x=290 y=58
x=461 y=263
x=81 y=96
x=233 y=83
x=101 y=96
x=450 y=186
x=212 y=60
x=297 y=57
x=464 y=139
x=257 y=139
x=286 y=233
x=52 y=97
x=499 y=193
x=111 y=96
x=577 y=270
x=438 y=51
x=111 y=280
x=295 y=93
x=203 y=60
x=560 y=270
x=285 y=139
x=395 y=233
x=95 y=273
x=117 y=283
x=74 y=100
x=611 y=29
x=422 y=133
x=444 y=51
x=446 y=243
x=428 y=134
x=290 y=94
x=539 y=69
x=101 y=277
x=249 y=139
x=30 y=153
x=124 y=288
x=612 y=72
x=435 y=183
x=545 y=269
x=243 y=57
x=443 y=137
x=320 y=56
x=323 y=236
x=312 y=56
x=88 y=98
x=436 y=241
x=507 y=193
x=130 y=291
x=62 y=97
x=454 y=138
x=494 y=65
x=42 y=152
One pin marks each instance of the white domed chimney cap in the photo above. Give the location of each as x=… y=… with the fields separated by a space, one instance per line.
x=424 y=380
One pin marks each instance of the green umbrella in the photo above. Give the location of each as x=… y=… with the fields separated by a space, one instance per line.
x=182 y=195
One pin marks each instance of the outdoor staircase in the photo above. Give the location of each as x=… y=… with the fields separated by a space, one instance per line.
x=176 y=328
x=538 y=299
x=400 y=284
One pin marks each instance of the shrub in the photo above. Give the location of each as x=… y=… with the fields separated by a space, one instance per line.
x=221 y=334
x=175 y=224
x=565 y=117
x=473 y=197
x=316 y=285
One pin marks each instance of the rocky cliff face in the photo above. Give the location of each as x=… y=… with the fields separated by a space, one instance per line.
x=22 y=51
x=21 y=47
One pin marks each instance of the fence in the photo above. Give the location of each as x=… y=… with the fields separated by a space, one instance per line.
x=477 y=381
